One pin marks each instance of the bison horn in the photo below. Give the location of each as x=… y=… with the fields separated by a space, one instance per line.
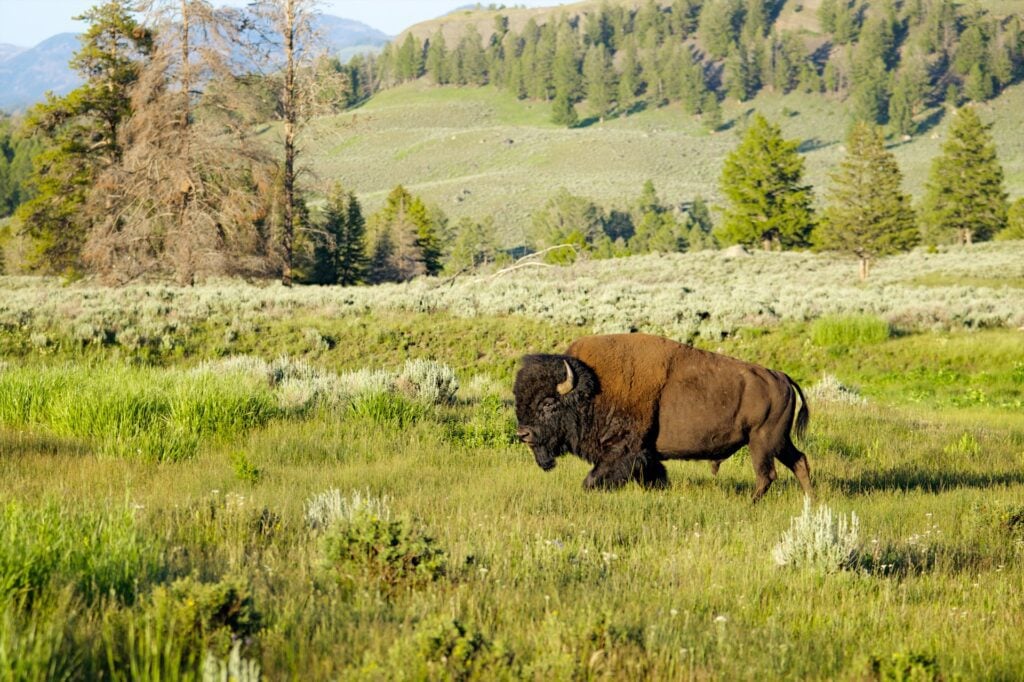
x=567 y=385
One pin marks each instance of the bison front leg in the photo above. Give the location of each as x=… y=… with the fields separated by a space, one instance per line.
x=606 y=476
x=649 y=472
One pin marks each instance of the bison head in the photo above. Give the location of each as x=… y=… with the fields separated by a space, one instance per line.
x=554 y=396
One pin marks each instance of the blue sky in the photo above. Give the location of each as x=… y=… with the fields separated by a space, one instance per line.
x=27 y=22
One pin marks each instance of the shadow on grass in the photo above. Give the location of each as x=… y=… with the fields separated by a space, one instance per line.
x=813 y=144
x=24 y=443
x=929 y=481
x=931 y=120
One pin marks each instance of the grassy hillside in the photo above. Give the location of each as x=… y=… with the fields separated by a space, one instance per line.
x=480 y=152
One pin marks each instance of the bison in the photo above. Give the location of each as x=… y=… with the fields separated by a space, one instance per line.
x=625 y=402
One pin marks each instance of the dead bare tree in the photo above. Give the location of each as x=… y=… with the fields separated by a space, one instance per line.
x=192 y=194
x=291 y=33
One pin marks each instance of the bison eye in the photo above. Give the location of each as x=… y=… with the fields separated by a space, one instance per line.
x=548 y=404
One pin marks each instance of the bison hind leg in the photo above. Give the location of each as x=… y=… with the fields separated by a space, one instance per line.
x=796 y=462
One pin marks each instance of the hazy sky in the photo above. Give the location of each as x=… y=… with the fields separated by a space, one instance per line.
x=27 y=22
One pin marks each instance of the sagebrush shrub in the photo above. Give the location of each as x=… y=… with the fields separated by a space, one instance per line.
x=428 y=380
x=234 y=668
x=818 y=540
x=830 y=390
x=330 y=506
x=382 y=551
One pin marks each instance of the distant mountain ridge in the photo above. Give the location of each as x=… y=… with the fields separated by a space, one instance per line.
x=30 y=73
x=26 y=74
x=7 y=51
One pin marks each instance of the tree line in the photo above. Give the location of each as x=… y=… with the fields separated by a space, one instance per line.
x=890 y=59
x=153 y=167
x=866 y=212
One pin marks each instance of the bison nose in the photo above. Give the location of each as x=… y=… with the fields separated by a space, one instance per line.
x=525 y=435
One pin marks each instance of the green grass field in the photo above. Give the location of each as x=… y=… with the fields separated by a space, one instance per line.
x=479 y=152
x=166 y=504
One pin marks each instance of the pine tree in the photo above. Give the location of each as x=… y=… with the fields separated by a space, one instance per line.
x=1014 y=222
x=566 y=66
x=683 y=20
x=80 y=134
x=718 y=26
x=563 y=112
x=629 y=78
x=473 y=245
x=827 y=15
x=597 y=80
x=901 y=115
x=738 y=78
x=711 y=111
x=472 y=61
x=868 y=215
x=350 y=252
x=965 y=200
x=437 y=59
x=700 y=235
x=762 y=182
x=870 y=91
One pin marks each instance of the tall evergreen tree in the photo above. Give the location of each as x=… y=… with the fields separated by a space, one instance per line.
x=80 y=133
x=719 y=26
x=563 y=111
x=473 y=245
x=683 y=19
x=629 y=79
x=436 y=64
x=598 y=80
x=471 y=68
x=867 y=215
x=340 y=256
x=1014 y=222
x=768 y=203
x=965 y=200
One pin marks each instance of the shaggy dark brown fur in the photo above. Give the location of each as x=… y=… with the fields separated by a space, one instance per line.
x=631 y=400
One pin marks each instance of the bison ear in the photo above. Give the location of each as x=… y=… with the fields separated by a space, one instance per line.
x=570 y=380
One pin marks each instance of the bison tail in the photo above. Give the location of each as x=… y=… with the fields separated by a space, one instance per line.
x=804 y=415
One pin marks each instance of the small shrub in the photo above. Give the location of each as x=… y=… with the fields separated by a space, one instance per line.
x=245 y=470
x=1011 y=519
x=428 y=380
x=178 y=626
x=849 y=330
x=451 y=650
x=330 y=506
x=905 y=667
x=383 y=551
x=818 y=540
x=316 y=340
x=444 y=649
x=830 y=390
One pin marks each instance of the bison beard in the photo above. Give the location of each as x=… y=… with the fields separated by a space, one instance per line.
x=624 y=402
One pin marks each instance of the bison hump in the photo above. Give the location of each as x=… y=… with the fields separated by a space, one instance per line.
x=631 y=369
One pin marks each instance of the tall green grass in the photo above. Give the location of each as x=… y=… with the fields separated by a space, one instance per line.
x=147 y=414
x=100 y=553
x=849 y=330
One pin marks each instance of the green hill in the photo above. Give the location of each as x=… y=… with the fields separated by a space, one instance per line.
x=481 y=152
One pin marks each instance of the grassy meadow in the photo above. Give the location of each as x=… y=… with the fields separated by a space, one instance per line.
x=322 y=483
x=479 y=152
